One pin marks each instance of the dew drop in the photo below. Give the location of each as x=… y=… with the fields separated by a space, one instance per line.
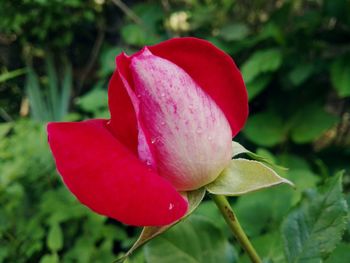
x=162 y=123
x=148 y=163
x=162 y=95
x=171 y=206
x=154 y=140
x=138 y=95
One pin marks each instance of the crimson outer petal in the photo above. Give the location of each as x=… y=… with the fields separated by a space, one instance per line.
x=213 y=70
x=107 y=177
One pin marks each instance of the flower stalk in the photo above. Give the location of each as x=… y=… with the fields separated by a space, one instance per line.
x=233 y=223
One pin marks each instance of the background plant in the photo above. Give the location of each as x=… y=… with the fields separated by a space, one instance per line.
x=294 y=56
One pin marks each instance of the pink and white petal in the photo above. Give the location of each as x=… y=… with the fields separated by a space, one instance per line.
x=214 y=71
x=189 y=134
x=108 y=178
x=143 y=147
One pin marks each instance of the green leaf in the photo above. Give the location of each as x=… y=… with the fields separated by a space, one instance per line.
x=269 y=247
x=340 y=76
x=209 y=210
x=234 y=32
x=244 y=176
x=264 y=210
x=312 y=230
x=39 y=108
x=50 y=258
x=194 y=199
x=12 y=74
x=136 y=35
x=67 y=87
x=265 y=129
x=261 y=61
x=340 y=255
x=310 y=123
x=107 y=60
x=94 y=100
x=221 y=44
x=301 y=73
x=53 y=98
x=257 y=85
x=55 y=238
x=5 y=128
x=196 y=240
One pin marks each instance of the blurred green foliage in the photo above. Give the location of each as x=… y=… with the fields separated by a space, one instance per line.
x=36 y=21
x=295 y=59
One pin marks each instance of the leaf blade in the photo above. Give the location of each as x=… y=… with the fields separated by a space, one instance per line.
x=195 y=240
x=312 y=231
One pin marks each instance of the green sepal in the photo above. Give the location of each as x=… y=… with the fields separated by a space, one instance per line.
x=149 y=232
x=243 y=176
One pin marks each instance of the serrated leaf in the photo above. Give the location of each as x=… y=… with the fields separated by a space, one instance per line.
x=312 y=230
x=244 y=176
x=194 y=199
x=55 y=237
x=196 y=240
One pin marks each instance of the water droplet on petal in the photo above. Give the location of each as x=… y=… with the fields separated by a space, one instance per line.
x=138 y=95
x=171 y=206
x=162 y=123
x=162 y=95
x=154 y=140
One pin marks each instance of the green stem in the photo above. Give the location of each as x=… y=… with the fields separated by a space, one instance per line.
x=232 y=222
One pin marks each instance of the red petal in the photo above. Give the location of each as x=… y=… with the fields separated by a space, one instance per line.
x=123 y=119
x=214 y=71
x=105 y=176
